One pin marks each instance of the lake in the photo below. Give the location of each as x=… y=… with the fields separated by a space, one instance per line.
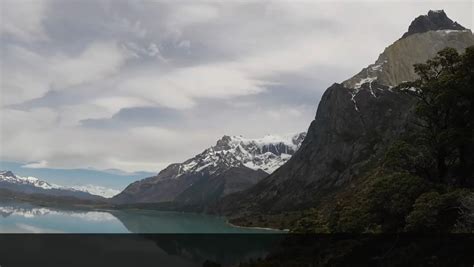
x=28 y=218
x=169 y=238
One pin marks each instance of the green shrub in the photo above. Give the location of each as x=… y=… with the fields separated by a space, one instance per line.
x=435 y=212
x=390 y=198
x=465 y=223
x=380 y=204
x=312 y=221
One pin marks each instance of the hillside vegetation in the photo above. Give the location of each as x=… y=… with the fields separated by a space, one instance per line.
x=424 y=183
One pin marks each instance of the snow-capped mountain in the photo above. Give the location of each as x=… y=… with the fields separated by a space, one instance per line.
x=10 y=181
x=266 y=154
x=233 y=164
x=96 y=190
x=9 y=177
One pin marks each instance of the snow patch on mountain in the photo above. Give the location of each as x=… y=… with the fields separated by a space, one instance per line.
x=96 y=190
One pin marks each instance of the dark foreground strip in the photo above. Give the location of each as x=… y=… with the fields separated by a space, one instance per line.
x=235 y=250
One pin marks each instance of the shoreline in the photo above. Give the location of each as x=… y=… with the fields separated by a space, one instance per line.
x=112 y=209
x=258 y=228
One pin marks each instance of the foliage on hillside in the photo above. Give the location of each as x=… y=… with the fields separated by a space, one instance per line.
x=424 y=183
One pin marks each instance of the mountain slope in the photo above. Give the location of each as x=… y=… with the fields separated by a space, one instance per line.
x=32 y=185
x=233 y=164
x=354 y=123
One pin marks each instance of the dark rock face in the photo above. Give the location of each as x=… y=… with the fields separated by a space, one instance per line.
x=9 y=174
x=206 y=192
x=155 y=189
x=435 y=20
x=340 y=142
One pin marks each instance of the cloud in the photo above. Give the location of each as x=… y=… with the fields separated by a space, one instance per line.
x=23 y=19
x=67 y=146
x=36 y=165
x=97 y=61
x=180 y=89
x=28 y=75
x=281 y=113
x=136 y=85
x=186 y=14
x=152 y=50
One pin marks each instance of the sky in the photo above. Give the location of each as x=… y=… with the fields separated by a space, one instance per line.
x=137 y=85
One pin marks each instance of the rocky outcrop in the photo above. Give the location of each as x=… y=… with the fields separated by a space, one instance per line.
x=433 y=21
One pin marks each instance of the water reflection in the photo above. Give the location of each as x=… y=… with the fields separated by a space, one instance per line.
x=185 y=249
x=31 y=212
x=27 y=218
x=14 y=217
x=142 y=221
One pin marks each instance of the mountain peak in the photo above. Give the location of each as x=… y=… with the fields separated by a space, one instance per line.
x=266 y=154
x=223 y=143
x=7 y=173
x=433 y=21
x=426 y=36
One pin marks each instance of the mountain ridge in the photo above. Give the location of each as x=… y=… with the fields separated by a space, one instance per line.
x=10 y=181
x=253 y=158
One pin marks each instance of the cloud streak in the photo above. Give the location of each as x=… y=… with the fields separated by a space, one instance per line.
x=28 y=75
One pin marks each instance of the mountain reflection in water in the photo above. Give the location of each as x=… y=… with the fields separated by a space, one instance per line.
x=111 y=221
x=188 y=240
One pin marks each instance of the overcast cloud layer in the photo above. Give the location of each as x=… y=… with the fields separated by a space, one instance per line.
x=136 y=85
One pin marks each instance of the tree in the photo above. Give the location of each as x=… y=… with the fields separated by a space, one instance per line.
x=435 y=212
x=445 y=113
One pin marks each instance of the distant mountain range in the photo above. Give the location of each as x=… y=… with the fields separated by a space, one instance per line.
x=33 y=185
x=235 y=163
x=110 y=178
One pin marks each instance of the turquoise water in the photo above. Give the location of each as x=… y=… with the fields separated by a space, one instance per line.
x=28 y=218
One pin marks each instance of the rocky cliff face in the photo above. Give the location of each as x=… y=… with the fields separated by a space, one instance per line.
x=354 y=123
x=235 y=163
x=433 y=21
